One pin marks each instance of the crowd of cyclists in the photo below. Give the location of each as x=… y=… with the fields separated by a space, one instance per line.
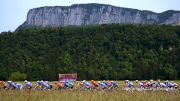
x=91 y=85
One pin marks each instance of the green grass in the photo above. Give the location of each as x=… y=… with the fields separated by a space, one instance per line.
x=88 y=95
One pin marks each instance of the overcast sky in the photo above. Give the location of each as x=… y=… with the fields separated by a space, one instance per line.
x=13 y=12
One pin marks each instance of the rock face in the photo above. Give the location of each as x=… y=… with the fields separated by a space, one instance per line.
x=92 y=14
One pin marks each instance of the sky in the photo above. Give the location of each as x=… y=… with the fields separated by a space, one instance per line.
x=13 y=12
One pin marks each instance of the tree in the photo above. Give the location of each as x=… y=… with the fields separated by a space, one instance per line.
x=170 y=72
x=3 y=75
x=109 y=51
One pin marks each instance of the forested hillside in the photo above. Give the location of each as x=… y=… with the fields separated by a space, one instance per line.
x=95 y=52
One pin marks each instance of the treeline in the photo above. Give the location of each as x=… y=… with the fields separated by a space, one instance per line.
x=94 y=52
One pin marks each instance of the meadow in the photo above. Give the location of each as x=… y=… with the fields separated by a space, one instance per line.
x=76 y=95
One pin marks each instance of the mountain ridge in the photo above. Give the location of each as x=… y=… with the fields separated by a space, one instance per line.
x=95 y=14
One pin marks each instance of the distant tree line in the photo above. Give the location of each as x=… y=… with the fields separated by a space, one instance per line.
x=94 y=52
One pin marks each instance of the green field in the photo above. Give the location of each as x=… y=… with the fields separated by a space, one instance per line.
x=76 y=95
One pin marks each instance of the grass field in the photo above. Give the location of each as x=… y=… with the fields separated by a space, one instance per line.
x=118 y=95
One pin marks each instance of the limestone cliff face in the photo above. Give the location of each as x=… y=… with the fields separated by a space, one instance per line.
x=91 y=14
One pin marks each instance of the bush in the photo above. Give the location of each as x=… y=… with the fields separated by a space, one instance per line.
x=17 y=76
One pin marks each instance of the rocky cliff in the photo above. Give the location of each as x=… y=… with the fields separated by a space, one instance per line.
x=91 y=14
